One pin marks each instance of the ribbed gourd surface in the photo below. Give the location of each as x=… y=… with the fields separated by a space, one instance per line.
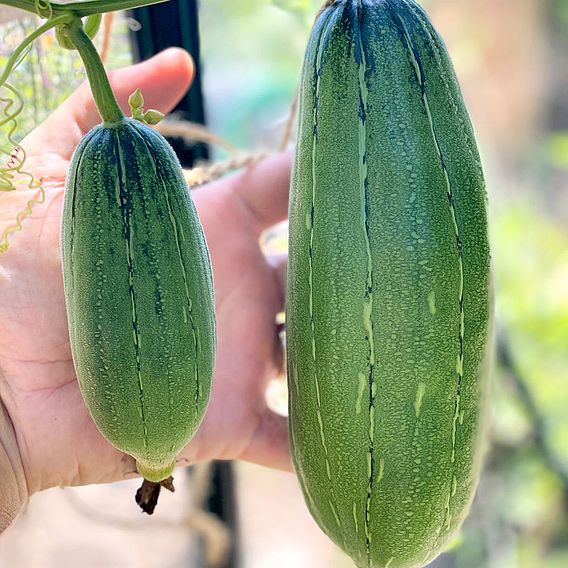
x=389 y=300
x=139 y=293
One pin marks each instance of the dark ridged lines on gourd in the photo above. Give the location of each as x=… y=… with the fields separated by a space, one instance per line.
x=389 y=302
x=139 y=294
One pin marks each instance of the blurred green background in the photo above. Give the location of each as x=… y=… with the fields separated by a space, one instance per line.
x=512 y=60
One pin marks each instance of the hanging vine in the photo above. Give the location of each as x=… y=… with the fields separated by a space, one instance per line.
x=13 y=173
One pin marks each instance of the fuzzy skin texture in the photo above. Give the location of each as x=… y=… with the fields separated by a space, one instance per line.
x=389 y=292
x=139 y=294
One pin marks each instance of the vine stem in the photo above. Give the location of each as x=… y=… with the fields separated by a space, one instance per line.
x=105 y=100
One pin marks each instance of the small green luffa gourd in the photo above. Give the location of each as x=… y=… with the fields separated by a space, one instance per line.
x=138 y=284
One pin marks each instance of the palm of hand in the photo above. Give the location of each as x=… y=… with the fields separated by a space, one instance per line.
x=59 y=444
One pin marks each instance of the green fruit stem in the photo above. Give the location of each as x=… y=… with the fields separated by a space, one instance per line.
x=153 y=474
x=102 y=91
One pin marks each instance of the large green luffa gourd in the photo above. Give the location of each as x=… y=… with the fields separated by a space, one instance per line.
x=138 y=284
x=139 y=294
x=389 y=303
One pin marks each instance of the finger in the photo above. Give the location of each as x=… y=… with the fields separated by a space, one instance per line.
x=263 y=190
x=279 y=264
x=270 y=444
x=163 y=80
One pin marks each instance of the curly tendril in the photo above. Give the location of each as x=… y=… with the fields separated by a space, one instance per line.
x=12 y=172
x=43 y=8
x=13 y=177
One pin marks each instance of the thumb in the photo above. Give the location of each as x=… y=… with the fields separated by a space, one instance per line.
x=163 y=80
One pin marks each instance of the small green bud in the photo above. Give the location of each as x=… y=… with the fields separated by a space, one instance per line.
x=153 y=116
x=136 y=101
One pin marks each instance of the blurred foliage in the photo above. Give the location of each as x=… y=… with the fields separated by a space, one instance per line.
x=520 y=515
x=531 y=260
x=557 y=150
x=560 y=13
x=294 y=6
x=42 y=78
x=49 y=74
x=252 y=52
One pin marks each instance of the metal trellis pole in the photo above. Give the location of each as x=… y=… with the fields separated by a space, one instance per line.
x=175 y=24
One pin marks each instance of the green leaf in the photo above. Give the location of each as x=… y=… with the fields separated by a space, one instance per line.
x=82 y=7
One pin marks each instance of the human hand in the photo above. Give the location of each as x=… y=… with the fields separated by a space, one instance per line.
x=49 y=438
